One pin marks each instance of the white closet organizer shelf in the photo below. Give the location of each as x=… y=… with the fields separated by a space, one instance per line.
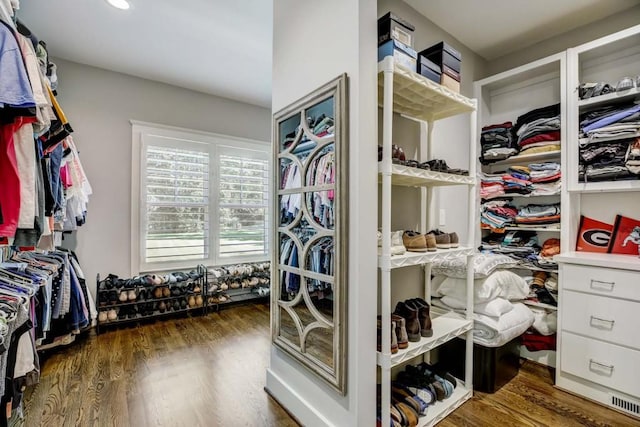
x=418 y=258
x=414 y=177
x=438 y=411
x=605 y=186
x=418 y=97
x=445 y=328
x=610 y=98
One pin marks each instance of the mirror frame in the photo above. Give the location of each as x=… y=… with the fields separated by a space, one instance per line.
x=335 y=376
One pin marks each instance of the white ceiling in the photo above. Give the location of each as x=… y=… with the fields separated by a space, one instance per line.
x=223 y=47
x=493 y=28
x=220 y=47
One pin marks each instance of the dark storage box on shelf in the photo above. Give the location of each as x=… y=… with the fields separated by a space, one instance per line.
x=392 y=27
x=493 y=367
x=429 y=69
x=443 y=54
x=402 y=55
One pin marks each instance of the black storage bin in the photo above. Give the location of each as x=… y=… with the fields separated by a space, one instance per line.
x=391 y=26
x=443 y=54
x=429 y=69
x=493 y=367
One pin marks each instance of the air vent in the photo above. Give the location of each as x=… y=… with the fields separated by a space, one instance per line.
x=625 y=405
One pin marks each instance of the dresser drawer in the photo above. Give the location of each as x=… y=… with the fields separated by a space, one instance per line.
x=602 y=363
x=601 y=281
x=609 y=319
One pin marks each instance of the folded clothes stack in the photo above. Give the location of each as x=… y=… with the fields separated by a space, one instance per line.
x=524 y=247
x=497 y=143
x=538 y=130
x=534 y=215
x=498 y=214
x=538 y=179
x=609 y=147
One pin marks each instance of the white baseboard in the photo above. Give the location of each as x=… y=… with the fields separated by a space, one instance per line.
x=300 y=409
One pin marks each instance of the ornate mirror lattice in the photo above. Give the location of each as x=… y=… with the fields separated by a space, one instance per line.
x=310 y=216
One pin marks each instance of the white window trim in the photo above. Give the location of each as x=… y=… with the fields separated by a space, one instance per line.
x=216 y=141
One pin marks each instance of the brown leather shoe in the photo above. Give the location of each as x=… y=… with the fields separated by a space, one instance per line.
x=423 y=315
x=414 y=241
x=454 y=240
x=430 y=239
x=410 y=315
x=394 y=339
x=401 y=331
x=408 y=413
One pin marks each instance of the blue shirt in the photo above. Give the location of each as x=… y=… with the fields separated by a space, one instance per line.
x=15 y=89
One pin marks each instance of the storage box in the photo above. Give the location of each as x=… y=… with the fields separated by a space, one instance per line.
x=429 y=69
x=493 y=367
x=402 y=55
x=443 y=54
x=448 y=82
x=451 y=73
x=392 y=27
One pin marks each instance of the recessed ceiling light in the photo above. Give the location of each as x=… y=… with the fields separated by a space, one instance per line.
x=120 y=4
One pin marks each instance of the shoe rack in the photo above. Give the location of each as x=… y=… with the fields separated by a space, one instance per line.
x=502 y=98
x=415 y=97
x=150 y=300
x=237 y=283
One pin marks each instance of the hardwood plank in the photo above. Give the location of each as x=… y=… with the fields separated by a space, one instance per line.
x=210 y=371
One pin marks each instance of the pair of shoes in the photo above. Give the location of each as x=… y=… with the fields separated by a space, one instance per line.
x=397 y=247
x=445 y=240
x=401 y=393
x=416 y=242
x=424 y=377
x=439 y=165
x=394 y=339
x=397 y=154
x=416 y=313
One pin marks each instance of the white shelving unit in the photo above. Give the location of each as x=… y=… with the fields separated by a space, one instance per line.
x=505 y=96
x=414 y=96
x=598 y=343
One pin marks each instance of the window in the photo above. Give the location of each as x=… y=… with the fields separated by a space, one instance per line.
x=201 y=198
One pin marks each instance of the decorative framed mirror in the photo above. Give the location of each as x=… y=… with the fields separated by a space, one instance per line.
x=309 y=268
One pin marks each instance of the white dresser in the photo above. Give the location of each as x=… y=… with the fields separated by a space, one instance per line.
x=599 y=329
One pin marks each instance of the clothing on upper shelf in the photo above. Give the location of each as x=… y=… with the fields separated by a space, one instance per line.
x=606 y=148
x=535 y=131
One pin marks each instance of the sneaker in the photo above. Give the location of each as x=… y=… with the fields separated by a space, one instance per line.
x=397 y=248
x=455 y=241
x=102 y=317
x=414 y=241
x=443 y=240
x=431 y=242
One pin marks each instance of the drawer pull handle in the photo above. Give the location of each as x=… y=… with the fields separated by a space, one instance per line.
x=600 y=365
x=601 y=285
x=598 y=319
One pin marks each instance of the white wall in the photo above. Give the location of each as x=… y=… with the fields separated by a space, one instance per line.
x=578 y=36
x=99 y=104
x=315 y=42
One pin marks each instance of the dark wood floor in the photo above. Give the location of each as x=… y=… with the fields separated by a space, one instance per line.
x=210 y=371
